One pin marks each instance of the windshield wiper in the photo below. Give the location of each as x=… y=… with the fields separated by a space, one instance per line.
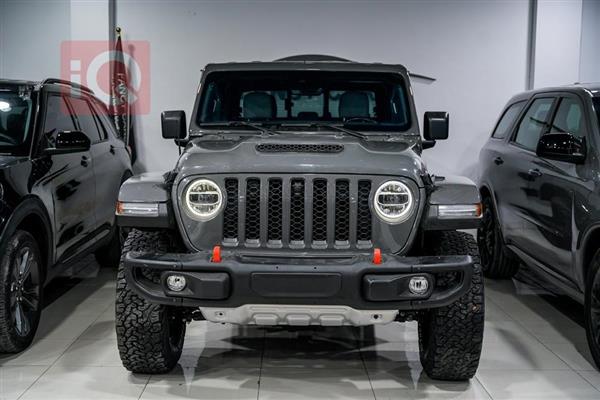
x=260 y=128
x=339 y=129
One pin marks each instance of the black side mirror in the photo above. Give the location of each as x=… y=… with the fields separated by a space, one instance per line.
x=69 y=142
x=173 y=124
x=436 y=125
x=562 y=147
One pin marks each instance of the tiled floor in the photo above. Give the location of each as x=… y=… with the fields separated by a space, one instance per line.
x=532 y=350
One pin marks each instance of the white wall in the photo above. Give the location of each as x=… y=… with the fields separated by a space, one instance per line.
x=30 y=36
x=589 y=70
x=476 y=50
x=557 y=42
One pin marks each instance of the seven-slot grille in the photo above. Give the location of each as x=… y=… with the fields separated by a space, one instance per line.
x=298 y=212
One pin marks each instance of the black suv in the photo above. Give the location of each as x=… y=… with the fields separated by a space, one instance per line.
x=540 y=186
x=301 y=199
x=61 y=166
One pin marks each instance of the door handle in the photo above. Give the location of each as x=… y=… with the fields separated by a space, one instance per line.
x=498 y=161
x=84 y=161
x=112 y=149
x=536 y=173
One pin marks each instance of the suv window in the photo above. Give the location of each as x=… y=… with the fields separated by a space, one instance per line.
x=507 y=121
x=86 y=118
x=15 y=117
x=58 y=118
x=569 y=118
x=534 y=123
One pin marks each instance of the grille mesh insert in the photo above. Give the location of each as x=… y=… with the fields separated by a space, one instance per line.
x=253 y=209
x=342 y=211
x=319 y=221
x=297 y=210
x=230 y=215
x=363 y=220
x=275 y=209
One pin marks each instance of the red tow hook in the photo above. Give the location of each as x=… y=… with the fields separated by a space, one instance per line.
x=216 y=254
x=377 y=256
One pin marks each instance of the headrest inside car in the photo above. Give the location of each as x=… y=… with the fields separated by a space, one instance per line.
x=259 y=105
x=354 y=104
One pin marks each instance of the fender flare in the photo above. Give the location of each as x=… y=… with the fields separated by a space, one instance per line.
x=28 y=206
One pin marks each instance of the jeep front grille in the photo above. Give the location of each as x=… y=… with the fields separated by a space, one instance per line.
x=292 y=212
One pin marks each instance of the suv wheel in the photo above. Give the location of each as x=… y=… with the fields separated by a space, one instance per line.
x=592 y=308
x=20 y=292
x=149 y=336
x=496 y=260
x=451 y=337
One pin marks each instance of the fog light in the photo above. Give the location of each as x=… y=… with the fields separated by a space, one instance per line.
x=418 y=285
x=176 y=283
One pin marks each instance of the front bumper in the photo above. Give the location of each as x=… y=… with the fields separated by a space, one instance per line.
x=245 y=287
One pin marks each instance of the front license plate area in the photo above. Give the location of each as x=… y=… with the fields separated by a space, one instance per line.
x=296 y=285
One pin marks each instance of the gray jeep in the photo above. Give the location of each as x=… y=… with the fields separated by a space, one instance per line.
x=301 y=199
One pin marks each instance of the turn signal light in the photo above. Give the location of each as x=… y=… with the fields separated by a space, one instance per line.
x=216 y=254
x=137 y=209
x=457 y=211
x=377 y=256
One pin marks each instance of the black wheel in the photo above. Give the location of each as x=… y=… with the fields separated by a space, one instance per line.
x=450 y=338
x=592 y=308
x=20 y=292
x=149 y=336
x=109 y=256
x=496 y=260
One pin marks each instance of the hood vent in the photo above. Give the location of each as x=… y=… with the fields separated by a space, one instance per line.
x=299 y=148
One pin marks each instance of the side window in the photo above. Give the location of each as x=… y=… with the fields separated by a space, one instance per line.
x=58 y=118
x=569 y=118
x=107 y=122
x=507 y=121
x=85 y=116
x=534 y=123
x=101 y=128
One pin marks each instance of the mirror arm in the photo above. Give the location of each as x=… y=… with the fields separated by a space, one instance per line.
x=427 y=144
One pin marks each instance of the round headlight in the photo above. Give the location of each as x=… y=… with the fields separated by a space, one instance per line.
x=393 y=202
x=203 y=199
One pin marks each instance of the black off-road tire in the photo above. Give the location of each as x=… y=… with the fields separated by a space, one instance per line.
x=497 y=261
x=149 y=336
x=450 y=338
x=19 y=291
x=592 y=308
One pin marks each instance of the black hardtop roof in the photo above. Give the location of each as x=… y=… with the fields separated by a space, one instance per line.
x=313 y=62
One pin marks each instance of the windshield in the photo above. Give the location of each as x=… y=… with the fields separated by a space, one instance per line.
x=366 y=101
x=15 y=111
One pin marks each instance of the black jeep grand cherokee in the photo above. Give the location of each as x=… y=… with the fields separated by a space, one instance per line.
x=61 y=166
x=540 y=186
